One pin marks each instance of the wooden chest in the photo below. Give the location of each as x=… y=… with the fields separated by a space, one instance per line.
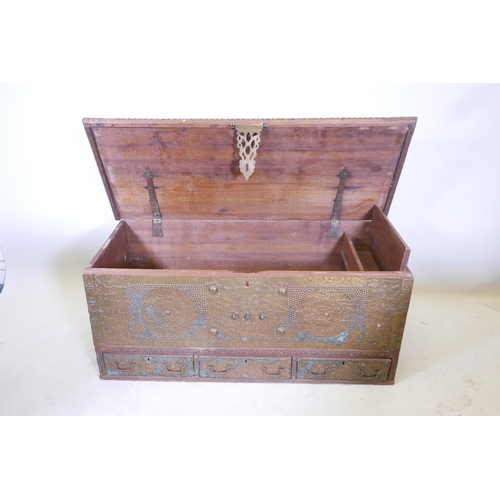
x=250 y=250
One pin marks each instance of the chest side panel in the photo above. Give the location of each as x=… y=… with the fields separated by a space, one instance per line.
x=250 y=312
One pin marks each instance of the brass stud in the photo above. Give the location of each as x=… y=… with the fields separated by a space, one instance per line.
x=262 y=316
x=281 y=331
x=247 y=316
x=214 y=331
x=234 y=315
x=213 y=288
x=282 y=291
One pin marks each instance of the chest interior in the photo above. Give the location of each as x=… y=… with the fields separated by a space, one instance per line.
x=250 y=196
x=257 y=246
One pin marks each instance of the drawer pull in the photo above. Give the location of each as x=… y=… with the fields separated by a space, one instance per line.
x=369 y=374
x=124 y=366
x=272 y=370
x=319 y=370
x=175 y=369
x=215 y=369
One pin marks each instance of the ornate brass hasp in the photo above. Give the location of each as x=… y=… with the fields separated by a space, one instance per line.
x=337 y=204
x=155 y=208
x=248 y=140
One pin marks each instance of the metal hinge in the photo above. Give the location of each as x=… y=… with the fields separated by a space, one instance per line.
x=155 y=208
x=337 y=204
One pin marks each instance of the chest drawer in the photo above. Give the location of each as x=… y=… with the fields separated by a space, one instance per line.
x=356 y=370
x=245 y=368
x=123 y=365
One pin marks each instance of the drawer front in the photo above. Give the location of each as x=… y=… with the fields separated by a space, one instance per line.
x=245 y=368
x=358 y=370
x=128 y=365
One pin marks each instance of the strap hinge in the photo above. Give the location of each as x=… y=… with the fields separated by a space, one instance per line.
x=155 y=208
x=337 y=204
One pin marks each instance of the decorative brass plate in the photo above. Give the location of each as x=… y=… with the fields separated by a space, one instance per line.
x=327 y=314
x=167 y=311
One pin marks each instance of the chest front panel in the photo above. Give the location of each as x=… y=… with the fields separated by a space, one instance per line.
x=247 y=312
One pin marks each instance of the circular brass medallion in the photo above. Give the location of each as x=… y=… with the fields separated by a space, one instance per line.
x=326 y=314
x=167 y=308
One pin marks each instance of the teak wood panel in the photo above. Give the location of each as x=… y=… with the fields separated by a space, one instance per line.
x=115 y=252
x=244 y=246
x=295 y=177
x=388 y=246
x=349 y=254
x=255 y=246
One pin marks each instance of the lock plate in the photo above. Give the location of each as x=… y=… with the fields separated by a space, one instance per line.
x=248 y=140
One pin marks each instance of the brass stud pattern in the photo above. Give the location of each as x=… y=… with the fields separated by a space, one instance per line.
x=181 y=312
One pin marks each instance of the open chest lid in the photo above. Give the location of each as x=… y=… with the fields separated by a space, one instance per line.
x=249 y=169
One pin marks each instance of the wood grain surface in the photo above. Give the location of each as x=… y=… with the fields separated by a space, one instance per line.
x=198 y=177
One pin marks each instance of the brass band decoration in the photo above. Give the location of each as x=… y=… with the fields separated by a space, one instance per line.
x=248 y=139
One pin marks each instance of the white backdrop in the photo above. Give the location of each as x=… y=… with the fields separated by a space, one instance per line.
x=267 y=59
x=447 y=206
